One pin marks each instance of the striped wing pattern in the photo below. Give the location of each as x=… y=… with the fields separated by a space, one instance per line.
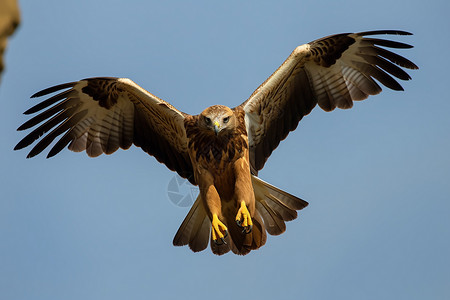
x=101 y=115
x=332 y=72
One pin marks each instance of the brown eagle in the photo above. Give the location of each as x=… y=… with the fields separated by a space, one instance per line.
x=222 y=149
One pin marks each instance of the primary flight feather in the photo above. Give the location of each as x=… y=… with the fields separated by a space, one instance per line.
x=222 y=149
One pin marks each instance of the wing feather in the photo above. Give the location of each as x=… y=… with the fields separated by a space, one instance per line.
x=101 y=115
x=332 y=72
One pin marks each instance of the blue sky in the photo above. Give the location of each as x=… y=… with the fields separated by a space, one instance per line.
x=376 y=176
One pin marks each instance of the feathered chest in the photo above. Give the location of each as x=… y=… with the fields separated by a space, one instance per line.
x=215 y=150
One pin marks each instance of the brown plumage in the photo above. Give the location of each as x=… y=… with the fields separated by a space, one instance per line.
x=222 y=149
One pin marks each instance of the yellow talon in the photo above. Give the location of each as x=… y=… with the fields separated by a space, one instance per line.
x=219 y=230
x=243 y=218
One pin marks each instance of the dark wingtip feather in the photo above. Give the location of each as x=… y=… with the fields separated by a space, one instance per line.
x=22 y=127
x=388 y=43
x=68 y=137
x=25 y=142
x=53 y=89
x=30 y=111
x=50 y=101
x=33 y=153
x=51 y=154
x=18 y=146
x=377 y=32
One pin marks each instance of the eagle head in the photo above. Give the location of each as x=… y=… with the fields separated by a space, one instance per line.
x=217 y=118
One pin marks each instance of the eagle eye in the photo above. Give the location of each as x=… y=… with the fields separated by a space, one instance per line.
x=226 y=119
x=208 y=121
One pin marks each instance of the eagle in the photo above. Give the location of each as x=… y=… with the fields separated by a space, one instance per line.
x=221 y=149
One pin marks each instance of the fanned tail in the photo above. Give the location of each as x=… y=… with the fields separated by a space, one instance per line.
x=275 y=206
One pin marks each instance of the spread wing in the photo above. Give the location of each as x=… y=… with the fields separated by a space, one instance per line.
x=99 y=115
x=333 y=72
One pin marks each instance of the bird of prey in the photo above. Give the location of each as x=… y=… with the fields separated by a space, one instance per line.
x=221 y=149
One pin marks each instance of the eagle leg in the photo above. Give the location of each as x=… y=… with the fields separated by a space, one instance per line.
x=219 y=231
x=243 y=219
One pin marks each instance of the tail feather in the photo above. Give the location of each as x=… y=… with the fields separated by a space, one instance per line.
x=199 y=240
x=287 y=199
x=273 y=223
x=195 y=228
x=259 y=232
x=242 y=243
x=221 y=249
x=280 y=208
x=275 y=205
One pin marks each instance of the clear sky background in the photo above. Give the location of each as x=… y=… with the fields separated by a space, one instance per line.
x=377 y=177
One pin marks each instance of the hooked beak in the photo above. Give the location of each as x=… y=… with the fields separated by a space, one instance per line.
x=216 y=127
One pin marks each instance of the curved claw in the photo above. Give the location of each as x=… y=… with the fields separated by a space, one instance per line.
x=247 y=229
x=239 y=223
x=222 y=240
